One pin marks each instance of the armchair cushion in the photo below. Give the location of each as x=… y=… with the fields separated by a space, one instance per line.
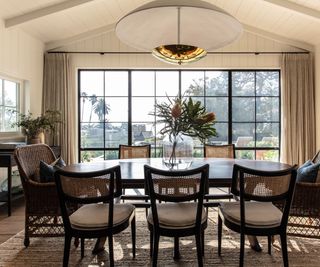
x=308 y=172
x=47 y=171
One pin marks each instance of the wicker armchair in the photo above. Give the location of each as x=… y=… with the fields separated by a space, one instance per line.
x=42 y=213
x=304 y=219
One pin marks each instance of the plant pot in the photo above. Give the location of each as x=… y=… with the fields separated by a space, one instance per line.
x=177 y=152
x=32 y=140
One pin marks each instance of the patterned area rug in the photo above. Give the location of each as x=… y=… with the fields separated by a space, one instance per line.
x=49 y=251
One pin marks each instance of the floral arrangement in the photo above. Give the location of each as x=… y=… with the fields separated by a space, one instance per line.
x=33 y=126
x=187 y=117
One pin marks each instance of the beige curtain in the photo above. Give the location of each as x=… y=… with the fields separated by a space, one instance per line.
x=57 y=95
x=298 y=108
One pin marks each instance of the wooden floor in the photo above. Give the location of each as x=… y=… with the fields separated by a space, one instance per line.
x=9 y=226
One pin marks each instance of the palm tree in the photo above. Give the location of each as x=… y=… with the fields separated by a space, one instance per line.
x=93 y=101
x=83 y=94
x=101 y=108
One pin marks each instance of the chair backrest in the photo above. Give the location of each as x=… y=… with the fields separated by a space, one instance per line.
x=28 y=160
x=176 y=186
x=316 y=159
x=130 y=152
x=219 y=151
x=79 y=188
x=264 y=186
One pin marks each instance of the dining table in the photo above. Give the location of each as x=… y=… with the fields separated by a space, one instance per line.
x=132 y=170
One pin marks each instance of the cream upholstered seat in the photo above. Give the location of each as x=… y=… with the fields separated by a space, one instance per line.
x=93 y=216
x=260 y=217
x=177 y=215
x=257 y=213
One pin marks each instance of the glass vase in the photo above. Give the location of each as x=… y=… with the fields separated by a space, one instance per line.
x=177 y=152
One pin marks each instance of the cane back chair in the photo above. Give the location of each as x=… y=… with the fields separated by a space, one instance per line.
x=304 y=217
x=176 y=207
x=42 y=212
x=219 y=151
x=131 y=152
x=259 y=217
x=88 y=208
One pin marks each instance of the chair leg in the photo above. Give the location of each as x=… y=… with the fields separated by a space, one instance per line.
x=242 y=237
x=199 y=249
x=219 y=234
x=82 y=248
x=283 y=237
x=269 y=244
x=156 y=238
x=110 y=241
x=151 y=243
x=202 y=240
x=176 y=253
x=26 y=241
x=133 y=236
x=67 y=243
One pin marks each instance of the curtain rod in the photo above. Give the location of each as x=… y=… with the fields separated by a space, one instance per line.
x=148 y=53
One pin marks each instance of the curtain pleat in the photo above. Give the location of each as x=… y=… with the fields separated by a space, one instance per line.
x=298 y=142
x=57 y=95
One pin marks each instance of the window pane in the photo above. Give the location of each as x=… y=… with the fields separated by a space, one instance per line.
x=91 y=135
x=216 y=83
x=272 y=155
x=243 y=134
x=91 y=156
x=9 y=118
x=243 y=109
x=268 y=134
x=245 y=154
x=218 y=105
x=192 y=83
x=116 y=134
x=10 y=93
x=118 y=109
x=268 y=109
x=222 y=131
x=243 y=83
x=94 y=109
x=91 y=83
x=167 y=83
x=112 y=154
x=142 y=83
x=141 y=109
x=143 y=133
x=267 y=83
x=116 y=83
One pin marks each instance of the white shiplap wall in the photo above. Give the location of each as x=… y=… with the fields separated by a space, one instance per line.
x=21 y=57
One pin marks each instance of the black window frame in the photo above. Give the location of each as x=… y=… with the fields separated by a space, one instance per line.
x=229 y=96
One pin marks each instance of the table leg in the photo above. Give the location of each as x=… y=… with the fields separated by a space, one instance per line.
x=9 y=189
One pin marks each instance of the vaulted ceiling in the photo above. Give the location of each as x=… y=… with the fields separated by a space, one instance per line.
x=295 y=22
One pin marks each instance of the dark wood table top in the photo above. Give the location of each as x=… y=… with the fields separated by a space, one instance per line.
x=132 y=171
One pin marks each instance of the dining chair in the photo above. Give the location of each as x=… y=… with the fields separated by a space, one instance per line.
x=256 y=213
x=219 y=151
x=42 y=212
x=176 y=207
x=130 y=152
x=88 y=208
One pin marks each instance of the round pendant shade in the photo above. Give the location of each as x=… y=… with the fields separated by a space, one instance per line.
x=161 y=24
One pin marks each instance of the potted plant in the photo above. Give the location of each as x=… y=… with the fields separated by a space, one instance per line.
x=34 y=128
x=183 y=119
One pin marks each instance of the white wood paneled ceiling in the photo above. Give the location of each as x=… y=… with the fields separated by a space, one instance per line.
x=295 y=22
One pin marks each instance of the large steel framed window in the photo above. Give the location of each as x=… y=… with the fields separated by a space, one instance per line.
x=115 y=107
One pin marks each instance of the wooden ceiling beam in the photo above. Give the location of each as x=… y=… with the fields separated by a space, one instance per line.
x=14 y=21
x=303 y=10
